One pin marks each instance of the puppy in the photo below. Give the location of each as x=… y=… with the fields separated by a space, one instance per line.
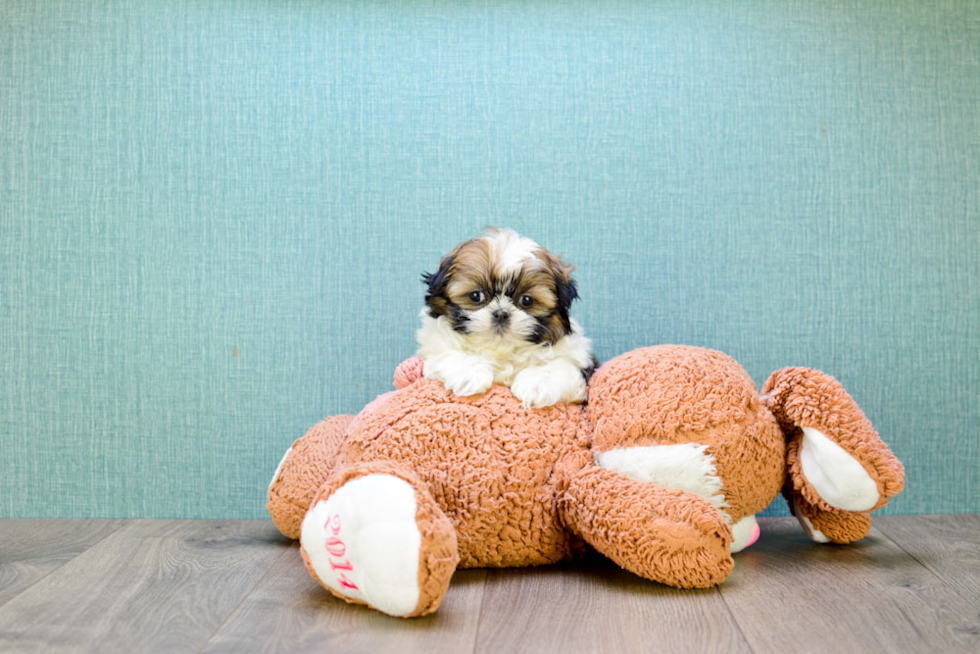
x=497 y=311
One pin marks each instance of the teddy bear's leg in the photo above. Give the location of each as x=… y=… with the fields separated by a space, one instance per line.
x=664 y=534
x=374 y=535
x=304 y=467
x=685 y=466
x=838 y=469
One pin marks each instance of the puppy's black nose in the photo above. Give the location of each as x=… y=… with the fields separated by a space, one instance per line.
x=501 y=316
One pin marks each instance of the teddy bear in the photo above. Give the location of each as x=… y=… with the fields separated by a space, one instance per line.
x=662 y=470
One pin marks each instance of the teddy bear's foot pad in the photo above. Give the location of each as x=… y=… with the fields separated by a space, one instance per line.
x=838 y=477
x=374 y=535
x=744 y=532
x=363 y=542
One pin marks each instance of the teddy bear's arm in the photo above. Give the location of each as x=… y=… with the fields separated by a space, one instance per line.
x=408 y=371
x=659 y=533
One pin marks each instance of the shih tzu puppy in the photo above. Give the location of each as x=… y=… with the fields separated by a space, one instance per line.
x=497 y=312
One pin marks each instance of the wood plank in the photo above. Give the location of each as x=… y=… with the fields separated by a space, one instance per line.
x=790 y=594
x=948 y=545
x=72 y=585
x=150 y=586
x=288 y=611
x=594 y=606
x=31 y=548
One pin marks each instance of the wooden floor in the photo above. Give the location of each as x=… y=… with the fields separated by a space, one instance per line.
x=238 y=586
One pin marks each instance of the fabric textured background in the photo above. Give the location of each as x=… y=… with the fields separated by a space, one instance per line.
x=213 y=215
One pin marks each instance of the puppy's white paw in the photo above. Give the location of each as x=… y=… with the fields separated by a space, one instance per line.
x=535 y=388
x=471 y=382
x=547 y=385
x=462 y=376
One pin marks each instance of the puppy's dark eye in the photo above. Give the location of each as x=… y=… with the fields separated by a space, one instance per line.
x=477 y=297
x=526 y=301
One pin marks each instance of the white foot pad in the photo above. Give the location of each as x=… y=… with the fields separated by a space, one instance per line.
x=812 y=532
x=745 y=532
x=363 y=542
x=839 y=478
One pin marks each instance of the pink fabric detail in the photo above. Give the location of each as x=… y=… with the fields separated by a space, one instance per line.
x=336 y=549
x=755 y=535
x=408 y=371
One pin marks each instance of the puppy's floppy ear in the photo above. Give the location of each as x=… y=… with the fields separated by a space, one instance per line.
x=437 y=281
x=435 y=297
x=565 y=287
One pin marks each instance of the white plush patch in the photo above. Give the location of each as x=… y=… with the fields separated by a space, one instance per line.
x=743 y=532
x=275 y=476
x=839 y=478
x=813 y=533
x=685 y=466
x=363 y=542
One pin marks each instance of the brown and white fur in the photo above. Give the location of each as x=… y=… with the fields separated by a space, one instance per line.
x=497 y=312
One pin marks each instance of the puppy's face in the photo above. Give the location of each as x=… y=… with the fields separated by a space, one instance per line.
x=502 y=285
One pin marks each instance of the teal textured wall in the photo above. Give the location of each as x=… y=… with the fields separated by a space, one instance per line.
x=213 y=215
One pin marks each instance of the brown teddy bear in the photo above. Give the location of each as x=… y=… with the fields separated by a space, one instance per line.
x=662 y=471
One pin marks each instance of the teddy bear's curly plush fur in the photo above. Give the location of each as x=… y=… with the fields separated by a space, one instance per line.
x=662 y=471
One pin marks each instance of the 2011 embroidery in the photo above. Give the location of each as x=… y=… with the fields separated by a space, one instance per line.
x=337 y=549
